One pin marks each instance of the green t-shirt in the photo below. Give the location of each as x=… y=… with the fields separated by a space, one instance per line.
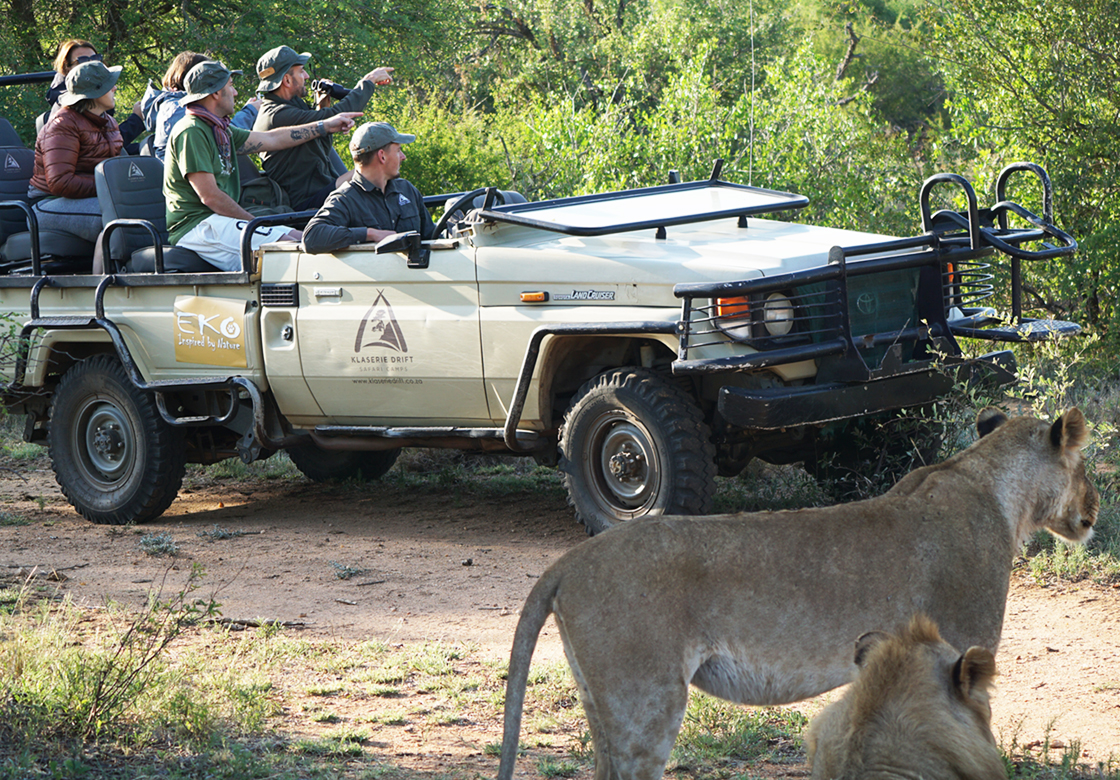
x=192 y=149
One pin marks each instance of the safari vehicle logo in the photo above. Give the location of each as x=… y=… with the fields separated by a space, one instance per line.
x=380 y=326
x=11 y=163
x=210 y=331
x=134 y=172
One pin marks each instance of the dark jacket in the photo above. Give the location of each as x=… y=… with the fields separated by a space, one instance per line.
x=305 y=169
x=68 y=150
x=358 y=204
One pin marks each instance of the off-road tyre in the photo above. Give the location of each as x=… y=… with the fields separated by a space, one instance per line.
x=115 y=458
x=322 y=465
x=635 y=444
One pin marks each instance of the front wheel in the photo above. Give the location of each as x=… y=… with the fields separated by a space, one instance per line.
x=337 y=465
x=115 y=458
x=635 y=445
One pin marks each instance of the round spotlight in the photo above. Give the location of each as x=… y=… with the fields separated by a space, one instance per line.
x=778 y=314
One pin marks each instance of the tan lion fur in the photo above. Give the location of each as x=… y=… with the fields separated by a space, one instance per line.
x=761 y=608
x=918 y=709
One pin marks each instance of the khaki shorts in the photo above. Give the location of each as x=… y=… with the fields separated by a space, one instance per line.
x=218 y=240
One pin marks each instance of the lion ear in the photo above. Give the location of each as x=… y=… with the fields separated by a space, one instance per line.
x=988 y=420
x=866 y=643
x=1070 y=431
x=974 y=671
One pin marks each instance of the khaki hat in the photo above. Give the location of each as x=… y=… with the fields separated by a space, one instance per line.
x=89 y=81
x=374 y=135
x=205 y=79
x=274 y=63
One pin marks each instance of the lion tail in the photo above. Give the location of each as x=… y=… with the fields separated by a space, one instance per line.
x=533 y=615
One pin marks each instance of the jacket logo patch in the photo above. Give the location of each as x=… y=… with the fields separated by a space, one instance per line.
x=134 y=172
x=11 y=163
x=403 y=200
x=380 y=326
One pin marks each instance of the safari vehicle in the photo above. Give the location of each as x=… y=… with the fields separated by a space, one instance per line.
x=642 y=340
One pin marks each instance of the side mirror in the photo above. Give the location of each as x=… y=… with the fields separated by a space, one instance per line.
x=406 y=244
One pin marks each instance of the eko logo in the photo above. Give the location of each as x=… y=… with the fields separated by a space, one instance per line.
x=196 y=324
x=380 y=326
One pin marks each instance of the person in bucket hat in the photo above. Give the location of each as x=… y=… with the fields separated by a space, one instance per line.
x=71 y=53
x=307 y=173
x=80 y=135
x=201 y=184
x=375 y=202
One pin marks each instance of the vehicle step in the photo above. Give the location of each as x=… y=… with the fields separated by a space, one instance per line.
x=1027 y=330
x=63 y=322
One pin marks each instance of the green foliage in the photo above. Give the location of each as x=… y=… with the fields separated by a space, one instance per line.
x=159 y=544
x=1036 y=81
x=106 y=687
x=717 y=731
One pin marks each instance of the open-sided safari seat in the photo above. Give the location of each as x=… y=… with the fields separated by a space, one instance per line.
x=59 y=252
x=132 y=188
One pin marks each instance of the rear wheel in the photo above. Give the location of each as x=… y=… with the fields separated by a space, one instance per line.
x=635 y=445
x=337 y=465
x=115 y=458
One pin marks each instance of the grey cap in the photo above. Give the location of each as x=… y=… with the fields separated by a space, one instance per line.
x=205 y=79
x=374 y=135
x=274 y=63
x=89 y=81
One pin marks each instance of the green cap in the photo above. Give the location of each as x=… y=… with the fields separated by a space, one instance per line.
x=374 y=135
x=89 y=81
x=274 y=63
x=205 y=79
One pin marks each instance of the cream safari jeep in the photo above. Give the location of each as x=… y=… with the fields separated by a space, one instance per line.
x=643 y=341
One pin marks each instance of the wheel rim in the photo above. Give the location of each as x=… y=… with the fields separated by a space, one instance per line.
x=105 y=443
x=622 y=463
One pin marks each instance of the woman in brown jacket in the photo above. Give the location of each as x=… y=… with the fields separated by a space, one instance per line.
x=80 y=136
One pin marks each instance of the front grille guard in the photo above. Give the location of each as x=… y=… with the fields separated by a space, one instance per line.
x=821 y=326
x=954 y=285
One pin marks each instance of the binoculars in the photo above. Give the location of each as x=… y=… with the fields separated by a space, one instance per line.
x=330 y=89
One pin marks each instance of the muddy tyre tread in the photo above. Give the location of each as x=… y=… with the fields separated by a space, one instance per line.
x=159 y=447
x=660 y=404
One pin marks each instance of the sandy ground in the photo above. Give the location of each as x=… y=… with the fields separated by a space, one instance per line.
x=452 y=567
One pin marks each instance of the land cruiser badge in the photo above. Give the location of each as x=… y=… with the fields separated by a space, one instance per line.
x=380 y=327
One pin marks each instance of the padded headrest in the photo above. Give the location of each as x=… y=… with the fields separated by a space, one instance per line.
x=131 y=188
x=8 y=134
x=17 y=163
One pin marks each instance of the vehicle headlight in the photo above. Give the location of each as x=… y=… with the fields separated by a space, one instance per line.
x=733 y=317
x=777 y=314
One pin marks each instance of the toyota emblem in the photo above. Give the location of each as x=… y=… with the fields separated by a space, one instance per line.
x=867 y=303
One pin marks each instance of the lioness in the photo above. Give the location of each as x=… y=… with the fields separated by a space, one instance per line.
x=761 y=608
x=918 y=709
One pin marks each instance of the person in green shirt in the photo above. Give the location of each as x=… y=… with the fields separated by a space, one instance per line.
x=201 y=185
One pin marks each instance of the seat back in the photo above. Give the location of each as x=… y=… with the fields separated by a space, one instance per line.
x=17 y=163
x=131 y=188
x=8 y=134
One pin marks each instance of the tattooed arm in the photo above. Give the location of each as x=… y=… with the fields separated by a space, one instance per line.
x=285 y=137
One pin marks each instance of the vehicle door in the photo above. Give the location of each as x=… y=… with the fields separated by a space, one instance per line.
x=384 y=344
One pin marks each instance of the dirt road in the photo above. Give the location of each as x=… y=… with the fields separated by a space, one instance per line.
x=438 y=565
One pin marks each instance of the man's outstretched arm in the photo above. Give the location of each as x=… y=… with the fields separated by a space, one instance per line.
x=287 y=137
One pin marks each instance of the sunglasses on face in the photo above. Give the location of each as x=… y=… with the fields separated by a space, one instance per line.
x=87 y=58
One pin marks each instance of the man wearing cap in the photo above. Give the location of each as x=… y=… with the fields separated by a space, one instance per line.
x=201 y=184
x=80 y=136
x=375 y=202
x=305 y=172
